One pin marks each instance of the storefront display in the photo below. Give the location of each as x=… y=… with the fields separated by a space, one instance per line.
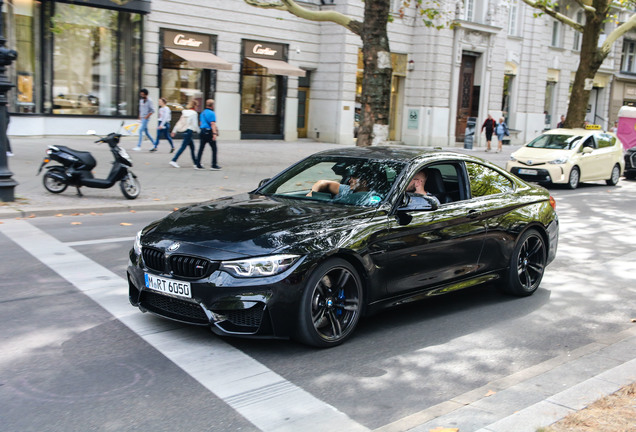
x=188 y=69
x=86 y=61
x=263 y=89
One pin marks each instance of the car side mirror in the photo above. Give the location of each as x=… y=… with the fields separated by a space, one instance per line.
x=587 y=150
x=264 y=181
x=414 y=202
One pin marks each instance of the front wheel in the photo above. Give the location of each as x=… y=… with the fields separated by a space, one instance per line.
x=616 y=174
x=575 y=176
x=527 y=264
x=130 y=186
x=331 y=304
x=52 y=184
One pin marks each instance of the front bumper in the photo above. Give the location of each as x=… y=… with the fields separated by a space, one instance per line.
x=254 y=307
x=544 y=173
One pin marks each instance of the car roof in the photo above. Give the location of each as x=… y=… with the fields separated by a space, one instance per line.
x=574 y=132
x=403 y=154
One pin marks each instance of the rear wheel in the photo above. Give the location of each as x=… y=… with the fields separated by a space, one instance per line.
x=527 y=265
x=53 y=184
x=616 y=174
x=331 y=305
x=575 y=176
x=130 y=186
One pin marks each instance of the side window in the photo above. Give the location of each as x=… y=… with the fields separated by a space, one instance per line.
x=589 y=142
x=605 y=140
x=486 y=181
x=443 y=182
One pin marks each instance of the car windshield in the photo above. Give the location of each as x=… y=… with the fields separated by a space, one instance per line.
x=356 y=181
x=556 y=142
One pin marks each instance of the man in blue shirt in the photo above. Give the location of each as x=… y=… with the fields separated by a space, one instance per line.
x=146 y=109
x=209 y=133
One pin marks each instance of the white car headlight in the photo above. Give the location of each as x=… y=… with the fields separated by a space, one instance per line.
x=559 y=161
x=513 y=158
x=137 y=244
x=259 y=267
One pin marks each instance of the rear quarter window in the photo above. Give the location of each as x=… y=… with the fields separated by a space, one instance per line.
x=486 y=181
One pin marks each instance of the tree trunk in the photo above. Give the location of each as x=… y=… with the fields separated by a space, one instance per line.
x=590 y=61
x=376 y=81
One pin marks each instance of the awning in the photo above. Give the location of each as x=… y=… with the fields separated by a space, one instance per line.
x=278 y=67
x=201 y=59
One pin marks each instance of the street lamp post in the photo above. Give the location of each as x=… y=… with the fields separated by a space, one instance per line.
x=7 y=184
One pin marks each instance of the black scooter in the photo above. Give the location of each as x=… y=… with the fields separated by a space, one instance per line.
x=77 y=165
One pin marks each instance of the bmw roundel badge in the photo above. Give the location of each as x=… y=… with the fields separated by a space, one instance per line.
x=173 y=247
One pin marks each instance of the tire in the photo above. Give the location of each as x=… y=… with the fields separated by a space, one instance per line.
x=331 y=304
x=527 y=265
x=575 y=176
x=616 y=175
x=130 y=186
x=52 y=184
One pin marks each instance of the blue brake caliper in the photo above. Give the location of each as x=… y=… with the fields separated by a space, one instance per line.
x=341 y=297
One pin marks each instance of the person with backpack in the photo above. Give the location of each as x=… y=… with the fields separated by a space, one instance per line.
x=501 y=130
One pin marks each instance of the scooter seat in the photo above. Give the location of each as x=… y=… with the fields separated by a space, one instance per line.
x=85 y=157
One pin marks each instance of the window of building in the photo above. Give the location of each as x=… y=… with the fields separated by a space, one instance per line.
x=92 y=61
x=557 y=34
x=260 y=90
x=22 y=24
x=513 y=18
x=74 y=59
x=476 y=10
x=628 y=56
x=576 y=45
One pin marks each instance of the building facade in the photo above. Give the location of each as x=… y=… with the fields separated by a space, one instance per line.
x=274 y=76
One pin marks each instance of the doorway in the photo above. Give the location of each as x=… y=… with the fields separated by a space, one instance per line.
x=468 y=95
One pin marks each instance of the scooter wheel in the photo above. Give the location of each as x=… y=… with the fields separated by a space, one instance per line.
x=130 y=186
x=52 y=184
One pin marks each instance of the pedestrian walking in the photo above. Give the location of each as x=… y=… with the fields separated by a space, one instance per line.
x=561 y=123
x=146 y=109
x=188 y=124
x=489 y=125
x=209 y=133
x=163 y=129
x=501 y=130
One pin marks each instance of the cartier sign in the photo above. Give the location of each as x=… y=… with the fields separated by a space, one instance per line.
x=264 y=50
x=186 y=40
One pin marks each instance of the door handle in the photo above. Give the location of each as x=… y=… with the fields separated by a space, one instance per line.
x=473 y=214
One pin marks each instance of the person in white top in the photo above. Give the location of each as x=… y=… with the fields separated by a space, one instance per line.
x=188 y=124
x=163 y=129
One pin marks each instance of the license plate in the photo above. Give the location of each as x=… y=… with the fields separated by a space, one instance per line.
x=527 y=171
x=168 y=286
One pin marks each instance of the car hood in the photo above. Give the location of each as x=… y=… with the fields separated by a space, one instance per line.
x=251 y=225
x=535 y=155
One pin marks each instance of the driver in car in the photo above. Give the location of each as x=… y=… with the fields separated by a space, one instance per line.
x=415 y=190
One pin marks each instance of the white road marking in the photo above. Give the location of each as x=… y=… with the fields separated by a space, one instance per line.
x=260 y=395
x=100 y=241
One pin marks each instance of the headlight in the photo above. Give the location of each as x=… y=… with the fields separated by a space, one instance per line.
x=513 y=159
x=559 y=161
x=259 y=267
x=137 y=244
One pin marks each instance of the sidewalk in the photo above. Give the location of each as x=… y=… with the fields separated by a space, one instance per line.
x=522 y=402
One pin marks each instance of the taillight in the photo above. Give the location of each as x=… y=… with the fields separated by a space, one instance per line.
x=552 y=202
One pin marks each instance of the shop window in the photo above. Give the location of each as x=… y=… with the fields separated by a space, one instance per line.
x=22 y=23
x=90 y=77
x=259 y=90
x=628 y=56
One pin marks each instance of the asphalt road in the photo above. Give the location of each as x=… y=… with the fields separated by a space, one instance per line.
x=76 y=356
